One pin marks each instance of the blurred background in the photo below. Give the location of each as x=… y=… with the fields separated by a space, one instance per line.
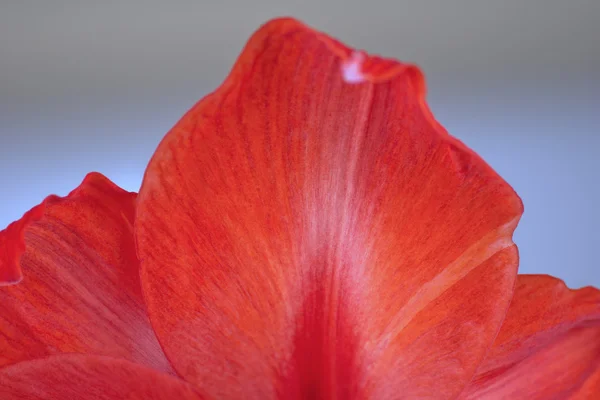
x=93 y=86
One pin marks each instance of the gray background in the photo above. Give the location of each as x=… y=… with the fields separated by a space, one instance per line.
x=93 y=86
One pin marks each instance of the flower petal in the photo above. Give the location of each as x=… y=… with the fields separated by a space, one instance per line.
x=548 y=344
x=12 y=246
x=81 y=289
x=78 y=376
x=589 y=388
x=308 y=230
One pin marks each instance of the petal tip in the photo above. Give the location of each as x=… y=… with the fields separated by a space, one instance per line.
x=352 y=68
x=96 y=180
x=357 y=66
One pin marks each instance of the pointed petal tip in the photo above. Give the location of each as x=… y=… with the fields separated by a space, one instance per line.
x=358 y=66
x=90 y=181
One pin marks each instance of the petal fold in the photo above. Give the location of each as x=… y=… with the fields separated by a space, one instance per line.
x=548 y=346
x=308 y=230
x=12 y=245
x=80 y=292
x=70 y=376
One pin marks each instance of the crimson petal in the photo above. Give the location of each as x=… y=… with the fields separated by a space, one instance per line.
x=81 y=290
x=309 y=230
x=81 y=377
x=548 y=345
x=589 y=388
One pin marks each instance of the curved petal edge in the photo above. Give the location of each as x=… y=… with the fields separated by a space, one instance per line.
x=549 y=343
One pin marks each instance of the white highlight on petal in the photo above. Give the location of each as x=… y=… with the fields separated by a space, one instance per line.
x=351 y=68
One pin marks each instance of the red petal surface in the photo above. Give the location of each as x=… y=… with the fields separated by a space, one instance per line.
x=12 y=246
x=70 y=377
x=590 y=388
x=548 y=345
x=309 y=231
x=80 y=291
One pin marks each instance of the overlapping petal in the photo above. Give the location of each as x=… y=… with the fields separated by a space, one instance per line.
x=80 y=292
x=309 y=231
x=82 y=377
x=12 y=245
x=549 y=344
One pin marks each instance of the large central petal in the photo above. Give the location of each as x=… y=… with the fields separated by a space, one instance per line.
x=309 y=231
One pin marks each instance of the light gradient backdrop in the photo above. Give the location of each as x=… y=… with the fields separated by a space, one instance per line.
x=93 y=86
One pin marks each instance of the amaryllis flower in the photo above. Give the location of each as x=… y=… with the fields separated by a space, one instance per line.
x=307 y=231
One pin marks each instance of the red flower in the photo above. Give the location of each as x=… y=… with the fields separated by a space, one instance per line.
x=308 y=230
